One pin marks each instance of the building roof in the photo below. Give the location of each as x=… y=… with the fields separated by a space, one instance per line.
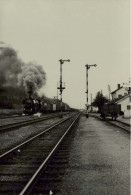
x=123 y=98
x=117 y=100
x=116 y=90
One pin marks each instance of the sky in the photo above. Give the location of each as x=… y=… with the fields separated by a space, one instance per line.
x=84 y=31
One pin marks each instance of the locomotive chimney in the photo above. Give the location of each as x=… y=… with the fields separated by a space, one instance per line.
x=29 y=91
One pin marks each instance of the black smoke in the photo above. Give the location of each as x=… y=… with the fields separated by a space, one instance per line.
x=15 y=73
x=32 y=77
x=10 y=67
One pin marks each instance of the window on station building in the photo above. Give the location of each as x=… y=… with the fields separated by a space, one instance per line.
x=129 y=107
x=119 y=96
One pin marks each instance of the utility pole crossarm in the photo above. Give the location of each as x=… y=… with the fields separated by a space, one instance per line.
x=62 y=61
x=90 y=65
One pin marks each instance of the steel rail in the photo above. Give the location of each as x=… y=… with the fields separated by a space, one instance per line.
x=119 y=124
x=12 y=116
x=123 y=123
x=115 y=124
x=28 y=185
x=24 y=123
x=27 y=141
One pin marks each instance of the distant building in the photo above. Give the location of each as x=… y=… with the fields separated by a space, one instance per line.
x=120 y=92
x=125 y=103
x=122 y=96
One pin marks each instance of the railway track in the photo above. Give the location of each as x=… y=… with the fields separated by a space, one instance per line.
x=21 y=166
x=10 y=116
x=24 y=122
x=120 y=124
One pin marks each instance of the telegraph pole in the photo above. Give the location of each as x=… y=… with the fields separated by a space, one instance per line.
x=87 y=68
x=109 y=90
x=61 y=87
x=91 y=102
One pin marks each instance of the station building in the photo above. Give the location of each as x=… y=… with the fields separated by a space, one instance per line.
x=122 y=96
x=125 y=103
x=120 y=92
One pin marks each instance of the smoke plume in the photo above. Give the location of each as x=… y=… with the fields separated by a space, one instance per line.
x=32 y=77
x=14 y=72
x=10 y=67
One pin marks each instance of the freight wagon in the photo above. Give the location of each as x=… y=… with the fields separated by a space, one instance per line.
x=110 y=110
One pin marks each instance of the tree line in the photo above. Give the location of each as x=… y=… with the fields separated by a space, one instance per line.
x=99 y=101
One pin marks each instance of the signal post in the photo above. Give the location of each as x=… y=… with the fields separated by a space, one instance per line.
x=87 y=68
x=61 y=87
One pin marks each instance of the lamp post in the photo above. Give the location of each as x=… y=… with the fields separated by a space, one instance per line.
x=61 y=87
x=87 y=68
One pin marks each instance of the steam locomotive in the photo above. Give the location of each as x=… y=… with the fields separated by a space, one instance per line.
x=32 y=106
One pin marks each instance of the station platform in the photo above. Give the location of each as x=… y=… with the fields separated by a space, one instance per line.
x=99 y=161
